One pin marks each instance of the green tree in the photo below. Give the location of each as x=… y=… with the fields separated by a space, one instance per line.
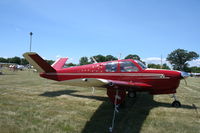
x=50 y=62
x=165 y=66
x=158 y=66
x=195 y=69
x=132 y=56
x=110 y=58
x=3 y=60
x=24 y=61
x=84 y=61
x=179 y=58
x=15 y=59
x=98 y=58
x=70 y=64
x=153 y=66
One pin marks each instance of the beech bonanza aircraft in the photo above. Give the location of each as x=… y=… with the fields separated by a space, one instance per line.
x=118 y=77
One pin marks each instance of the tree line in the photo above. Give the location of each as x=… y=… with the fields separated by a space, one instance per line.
x=178 y=59
x=18 y=60
x=100 y=58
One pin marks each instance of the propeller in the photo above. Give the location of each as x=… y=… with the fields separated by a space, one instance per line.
x=185 y=75
x=185 y=81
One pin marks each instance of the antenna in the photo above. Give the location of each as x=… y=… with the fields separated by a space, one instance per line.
x=94 y=60
x=161 y=63
x=120 y=54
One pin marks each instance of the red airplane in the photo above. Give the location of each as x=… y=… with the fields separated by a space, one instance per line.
x=119 y=77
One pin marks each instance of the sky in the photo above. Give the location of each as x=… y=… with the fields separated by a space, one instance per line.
x=77 y=28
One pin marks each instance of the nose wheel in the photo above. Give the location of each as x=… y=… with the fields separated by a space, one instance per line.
x=176 y=103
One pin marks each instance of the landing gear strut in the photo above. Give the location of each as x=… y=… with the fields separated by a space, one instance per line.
x=175 y=103
x=115 y=111
x=117 y=97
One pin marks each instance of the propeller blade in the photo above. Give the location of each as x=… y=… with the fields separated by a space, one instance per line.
x=185 y=81
x=184 y=75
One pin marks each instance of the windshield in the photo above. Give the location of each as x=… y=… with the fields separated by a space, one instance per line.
x=127 y=66
x=141 y=64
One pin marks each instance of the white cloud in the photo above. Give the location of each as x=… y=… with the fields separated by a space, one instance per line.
x=70 y=60
x=195 y=63
x=155 y=60
x=44 y=58
x=58 y=56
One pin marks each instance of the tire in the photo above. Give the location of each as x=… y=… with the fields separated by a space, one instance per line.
x=176 y=104
x=131 y=94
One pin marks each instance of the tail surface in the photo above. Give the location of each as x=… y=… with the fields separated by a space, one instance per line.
x=59 y=63
x=39 y=64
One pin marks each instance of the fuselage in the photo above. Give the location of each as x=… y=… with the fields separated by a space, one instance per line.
x=133 y=71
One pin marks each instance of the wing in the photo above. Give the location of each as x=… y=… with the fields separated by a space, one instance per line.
x=93 y=82
x=85 y=82
x=125 y=84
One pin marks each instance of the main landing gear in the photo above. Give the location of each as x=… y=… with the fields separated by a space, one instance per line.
x=117 y=97
x=175 y=103
x=131 y=94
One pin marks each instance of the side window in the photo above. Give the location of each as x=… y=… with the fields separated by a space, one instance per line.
x=111 y=67
x=127 y=66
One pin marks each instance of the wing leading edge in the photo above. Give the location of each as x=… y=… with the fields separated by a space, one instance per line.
x=93 y=82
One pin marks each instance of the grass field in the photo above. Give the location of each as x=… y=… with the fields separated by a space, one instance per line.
x=30 y=104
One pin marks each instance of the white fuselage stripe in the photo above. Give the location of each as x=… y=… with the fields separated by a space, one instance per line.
x=109 y=74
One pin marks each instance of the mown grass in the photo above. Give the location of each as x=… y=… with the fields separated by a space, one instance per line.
x=30 y=104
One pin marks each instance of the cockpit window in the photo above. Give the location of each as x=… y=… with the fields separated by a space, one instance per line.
x=111 y=67
x=141 y=64
x=127 y=66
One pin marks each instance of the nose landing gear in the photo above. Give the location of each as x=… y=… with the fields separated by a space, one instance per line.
x=175 y=103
